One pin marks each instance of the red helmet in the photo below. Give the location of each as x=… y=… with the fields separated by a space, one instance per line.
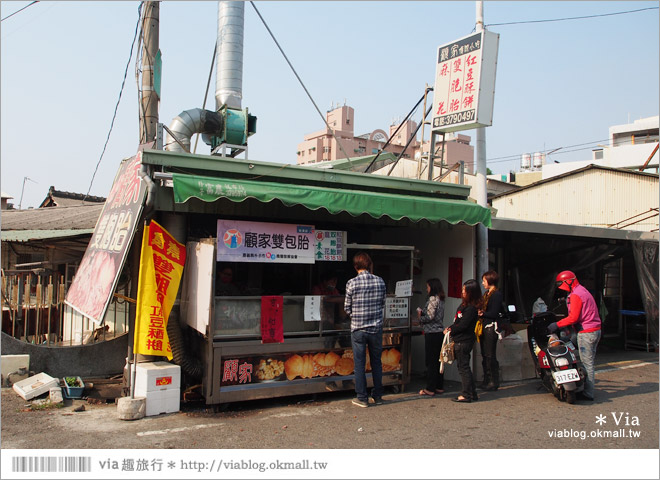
x=566 y=280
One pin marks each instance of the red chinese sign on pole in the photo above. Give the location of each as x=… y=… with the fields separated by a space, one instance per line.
x=272 y=329
x=464 y=88
x=455 y=283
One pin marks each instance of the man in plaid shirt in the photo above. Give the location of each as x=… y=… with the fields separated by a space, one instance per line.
x=365 y=305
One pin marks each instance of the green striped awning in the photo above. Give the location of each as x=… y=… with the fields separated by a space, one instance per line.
x=334 y=200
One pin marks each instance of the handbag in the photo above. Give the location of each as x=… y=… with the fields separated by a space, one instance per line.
x=447 y=350
x=479 y=329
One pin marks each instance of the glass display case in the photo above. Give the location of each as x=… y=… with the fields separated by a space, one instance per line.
x=240 y=317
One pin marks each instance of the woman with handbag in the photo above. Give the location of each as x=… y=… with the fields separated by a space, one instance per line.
x=430 y=317
x=462 y=333
x=490 y=313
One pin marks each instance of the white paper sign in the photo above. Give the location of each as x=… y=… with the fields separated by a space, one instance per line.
x=313 y=308
x=396 y=307
x=403 y=288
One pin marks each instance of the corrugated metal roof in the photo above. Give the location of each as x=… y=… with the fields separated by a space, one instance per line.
x=543 y=228
x=594 y=197
x=28 y=235
x=358 y=163
x=575 y=172
x=52 y=218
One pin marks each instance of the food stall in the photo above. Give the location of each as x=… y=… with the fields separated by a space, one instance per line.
x=279 y=228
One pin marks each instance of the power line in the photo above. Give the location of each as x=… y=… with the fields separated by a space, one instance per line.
x=301 y=82
x=517 y=155
x=584 y=146
x=571 y=18
x=114 y=116
x=12 y=14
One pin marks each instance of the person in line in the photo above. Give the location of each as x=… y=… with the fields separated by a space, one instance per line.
x=332 y=313
x=431 y=317
x=462 y=333
x=328 y=285
x=365 y=305
x=491 y=307
x=582 y=310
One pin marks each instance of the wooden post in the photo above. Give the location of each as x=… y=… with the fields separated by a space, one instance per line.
x=60 y=307
x=49 y=302
x=37 y=310
x=26 y=306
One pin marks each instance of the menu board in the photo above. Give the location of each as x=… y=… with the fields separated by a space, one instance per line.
x=329 y=246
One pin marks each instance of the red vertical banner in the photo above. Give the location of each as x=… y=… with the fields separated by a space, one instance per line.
x=272 y=329
x=455 y=283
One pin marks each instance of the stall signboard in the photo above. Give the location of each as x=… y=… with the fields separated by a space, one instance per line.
x=241 y=241
x=98 y=273
x=464 y=90
x=245 y=370
x=396 y=307
x=329 y=246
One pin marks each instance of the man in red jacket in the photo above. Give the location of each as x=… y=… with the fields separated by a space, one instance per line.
x=582 y=310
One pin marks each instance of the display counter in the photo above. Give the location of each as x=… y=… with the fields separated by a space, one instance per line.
x=316 y=356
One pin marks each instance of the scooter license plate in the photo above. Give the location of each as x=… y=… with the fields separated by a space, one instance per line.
x=566 y=376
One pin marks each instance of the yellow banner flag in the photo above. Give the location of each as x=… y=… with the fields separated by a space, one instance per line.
x=161 y=267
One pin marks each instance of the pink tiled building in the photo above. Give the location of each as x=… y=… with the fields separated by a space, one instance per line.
x=321 y=146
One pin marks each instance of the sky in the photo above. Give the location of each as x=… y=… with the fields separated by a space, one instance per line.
x=558 y=84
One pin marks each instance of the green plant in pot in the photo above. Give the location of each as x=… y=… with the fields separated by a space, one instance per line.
x=72 y=381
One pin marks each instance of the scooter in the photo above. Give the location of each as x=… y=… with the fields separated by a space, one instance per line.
x=556 y=357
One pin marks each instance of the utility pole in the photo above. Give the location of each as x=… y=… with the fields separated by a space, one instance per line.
x=148 y=127
x=421 y=145
x=20 y=203
x=480 y=187
x=149 y=99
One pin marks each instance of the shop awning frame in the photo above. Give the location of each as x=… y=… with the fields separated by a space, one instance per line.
x=335 y=200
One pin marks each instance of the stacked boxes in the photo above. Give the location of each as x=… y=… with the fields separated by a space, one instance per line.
x=160 y=384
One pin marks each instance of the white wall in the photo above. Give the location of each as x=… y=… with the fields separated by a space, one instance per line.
x=629 y=155
x=436 y=246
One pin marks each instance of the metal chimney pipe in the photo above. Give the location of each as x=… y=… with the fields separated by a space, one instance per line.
x=190 y=122
x=229 y=56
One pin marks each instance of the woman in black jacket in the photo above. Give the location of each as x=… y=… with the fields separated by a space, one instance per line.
x=462 y=333
x=491 y=308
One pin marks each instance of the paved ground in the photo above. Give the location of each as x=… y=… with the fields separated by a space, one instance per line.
x=519 y=415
